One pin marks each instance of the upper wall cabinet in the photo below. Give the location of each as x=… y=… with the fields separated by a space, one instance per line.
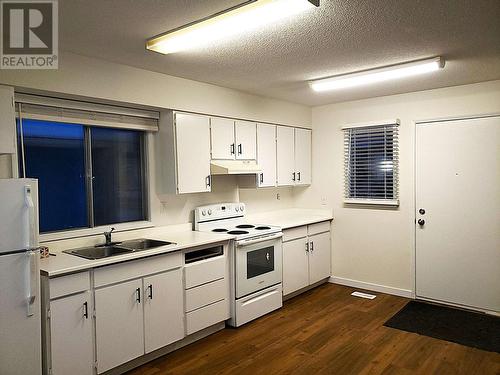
x=232 y=139
x=222 y=138
x=266 y=154
x=293 y=156
x=7 y=121
x=246 y=140
x=183 y=153
x=302 y=156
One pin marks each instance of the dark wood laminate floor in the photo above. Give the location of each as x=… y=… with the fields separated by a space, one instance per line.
x=325 y=331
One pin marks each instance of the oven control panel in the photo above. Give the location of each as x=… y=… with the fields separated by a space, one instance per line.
x=219 y=211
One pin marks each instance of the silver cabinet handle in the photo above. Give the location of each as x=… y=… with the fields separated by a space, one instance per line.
x=138 y=292
x=240 y=149
x=232 y=149
x=262 y=178
x=307 y=247
x=86 y=310
x=312 y=246
x=298 y=176
x=293 y=176
x=208 y=181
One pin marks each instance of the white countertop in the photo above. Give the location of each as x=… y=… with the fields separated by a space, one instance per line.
x=182 y=235
x=63 y=263
x=291 y=217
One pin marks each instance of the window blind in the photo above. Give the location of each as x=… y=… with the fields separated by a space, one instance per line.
x=85 y=113
x=371 y=161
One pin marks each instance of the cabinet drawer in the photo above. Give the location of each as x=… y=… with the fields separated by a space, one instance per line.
x=206 y=316
x=136 y=268
x=294 y=233
x=324 y=226
x=204 y=271
x=206 y=294
x=66 y=285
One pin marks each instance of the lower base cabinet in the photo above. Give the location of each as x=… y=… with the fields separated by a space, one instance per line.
x=119 y=324
x=306 y=256
x=71 y=335
x=163 y=309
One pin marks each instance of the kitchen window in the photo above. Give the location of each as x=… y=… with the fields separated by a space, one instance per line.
x=371 y=161
x=89 y=175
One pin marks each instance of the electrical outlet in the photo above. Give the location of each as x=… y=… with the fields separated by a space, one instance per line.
x=278 y=197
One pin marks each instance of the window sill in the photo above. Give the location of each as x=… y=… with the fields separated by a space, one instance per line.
x=375 y=202
x=87 y=232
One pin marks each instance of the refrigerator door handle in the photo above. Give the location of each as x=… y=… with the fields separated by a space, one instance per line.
x=31 y=235
x=32 y=282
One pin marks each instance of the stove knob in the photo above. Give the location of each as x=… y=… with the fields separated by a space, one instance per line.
x=237 y=209
x=210 y=212
x=242 y=208
x=203 y=212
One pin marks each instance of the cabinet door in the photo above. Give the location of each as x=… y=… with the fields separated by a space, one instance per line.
x=246 y=140
x=192 y=133
x=285 y=155
x=303 y=156
x=119 y=324
x=7 y=121
x=222 y=138
x=266 y=154
x=295 y=266
x=163 y=309
x=71 y=347
x=319 y=257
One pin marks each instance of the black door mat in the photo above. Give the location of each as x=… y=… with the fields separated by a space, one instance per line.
x=446 y=323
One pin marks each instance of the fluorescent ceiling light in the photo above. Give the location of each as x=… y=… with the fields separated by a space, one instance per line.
x=378 y=75
x=250 y=15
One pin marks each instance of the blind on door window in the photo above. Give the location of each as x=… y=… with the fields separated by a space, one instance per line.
x=371 y=159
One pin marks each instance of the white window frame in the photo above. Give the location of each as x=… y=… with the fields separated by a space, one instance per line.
x=373 y=201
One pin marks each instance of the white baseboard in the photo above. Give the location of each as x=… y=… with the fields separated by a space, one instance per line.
x=372 y=287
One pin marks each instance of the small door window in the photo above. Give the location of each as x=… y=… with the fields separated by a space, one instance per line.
x=260 y=261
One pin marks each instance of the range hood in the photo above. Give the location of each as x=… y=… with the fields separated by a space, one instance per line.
x=234 y=167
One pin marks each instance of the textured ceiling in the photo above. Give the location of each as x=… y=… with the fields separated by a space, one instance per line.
x=338 y=37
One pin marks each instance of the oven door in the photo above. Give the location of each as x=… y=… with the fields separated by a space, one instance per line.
x=258 y=264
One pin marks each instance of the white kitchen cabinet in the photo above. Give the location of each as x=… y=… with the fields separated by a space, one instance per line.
x=319 y=257
x=285 y=156
x=295 y=265
x=266 y=154
x=119 y=324
x=7 y=121
x=246 y=140
x=163 y=310
x=71 y=346
x=302 y=156
x=182 y=148
x=306 y=256
x=192 y=133
x=222 y=138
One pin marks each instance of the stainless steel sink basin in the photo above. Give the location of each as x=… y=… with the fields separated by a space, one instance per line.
x=98 y=252
x=144 y=244
x=119 y=248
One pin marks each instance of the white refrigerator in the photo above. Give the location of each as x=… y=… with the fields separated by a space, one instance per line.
x=20 y=324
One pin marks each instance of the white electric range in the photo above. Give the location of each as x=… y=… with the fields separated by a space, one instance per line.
x=256 y=260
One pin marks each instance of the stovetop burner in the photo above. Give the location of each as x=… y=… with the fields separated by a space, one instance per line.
x=219 y=230
x=245 y=226
x=237 y=232
x=263 y=228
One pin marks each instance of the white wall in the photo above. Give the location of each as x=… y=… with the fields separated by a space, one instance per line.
x=376 y=245
x=93 y=78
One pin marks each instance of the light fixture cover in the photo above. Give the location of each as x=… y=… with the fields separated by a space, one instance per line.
x=378 y=75
x=250 y=15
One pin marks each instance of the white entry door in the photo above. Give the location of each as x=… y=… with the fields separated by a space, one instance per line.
x=458 y=212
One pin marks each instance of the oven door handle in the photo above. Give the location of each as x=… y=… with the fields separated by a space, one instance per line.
x=260 y=239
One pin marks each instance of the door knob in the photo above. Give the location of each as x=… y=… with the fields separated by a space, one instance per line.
x=421 y=211
x=421 y=222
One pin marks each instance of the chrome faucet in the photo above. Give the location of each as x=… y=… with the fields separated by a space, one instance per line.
x=107 y=235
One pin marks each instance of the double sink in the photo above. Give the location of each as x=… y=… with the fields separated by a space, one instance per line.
x=117 y=248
